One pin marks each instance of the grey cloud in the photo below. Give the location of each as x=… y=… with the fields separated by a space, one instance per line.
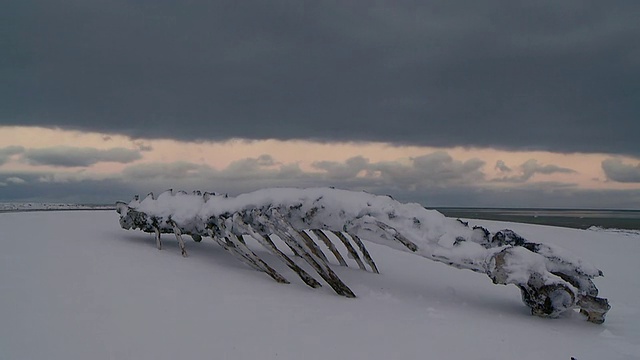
x=142 y=146
x=15 y=180
x=347 y=170
x=249 y=166
x=531 y=167
x=107 y=191
x=242 y=175
x=7 y=152
x=502 y=167
x=66 y=156
x=175 y=171
x=618 y=171
x=548 y=75
x=441 y=167
x=436 y=169
x=263 y=171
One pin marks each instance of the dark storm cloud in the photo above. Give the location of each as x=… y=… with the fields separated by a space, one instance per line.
x=618 y=171
x=552 y=75
x=67 y=156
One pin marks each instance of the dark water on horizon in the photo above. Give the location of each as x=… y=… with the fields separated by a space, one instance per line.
x=579 y=219
x=572 y=218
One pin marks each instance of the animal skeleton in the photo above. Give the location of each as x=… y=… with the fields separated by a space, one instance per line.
x=550 y=279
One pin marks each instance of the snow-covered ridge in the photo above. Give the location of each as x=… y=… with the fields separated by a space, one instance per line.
x=36 y=206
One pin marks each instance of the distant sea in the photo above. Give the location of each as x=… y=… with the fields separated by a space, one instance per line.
x=573 y=218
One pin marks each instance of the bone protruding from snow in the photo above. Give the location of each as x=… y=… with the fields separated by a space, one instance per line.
x=158 y=241
x=311 y=245
x=226 y=244
x=308 y=279
x=365 y=253
x=545 y=293
x=398 y=236
x=291 y=237
x=239 y=244
x=370 y=225
x=178 y=234
x=323 y=237
x=266 y=242
x=352 y=251
x=594 y=308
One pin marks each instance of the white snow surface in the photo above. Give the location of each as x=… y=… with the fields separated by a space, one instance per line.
x=629 y=232
x=74 y=285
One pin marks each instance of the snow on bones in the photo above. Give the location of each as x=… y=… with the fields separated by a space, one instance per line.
x=551 y=279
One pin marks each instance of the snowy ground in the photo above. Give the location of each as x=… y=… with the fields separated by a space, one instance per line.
x=73 y=285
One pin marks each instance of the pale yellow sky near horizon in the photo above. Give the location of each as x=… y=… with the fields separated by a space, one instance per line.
x=218 y=155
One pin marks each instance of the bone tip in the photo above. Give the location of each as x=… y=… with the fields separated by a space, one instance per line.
x=121 y=206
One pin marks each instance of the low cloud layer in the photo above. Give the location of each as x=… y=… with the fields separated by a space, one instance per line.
x=528 y=169
x=435 y=179
x=71 y=188
x=7 y=152
x=432 y=170
x=550 y=75
x=65 y=156
x=616 y=170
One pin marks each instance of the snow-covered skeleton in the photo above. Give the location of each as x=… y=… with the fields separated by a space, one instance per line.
x=551 y=280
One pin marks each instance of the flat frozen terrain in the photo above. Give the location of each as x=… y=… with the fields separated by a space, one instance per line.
x=74 y=285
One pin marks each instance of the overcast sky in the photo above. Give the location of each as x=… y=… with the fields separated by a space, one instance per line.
x=460 y=103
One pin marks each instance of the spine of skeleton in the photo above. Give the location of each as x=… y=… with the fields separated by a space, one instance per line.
x=551 y=279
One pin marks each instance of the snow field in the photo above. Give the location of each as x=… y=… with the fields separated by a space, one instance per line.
x=73 y=285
